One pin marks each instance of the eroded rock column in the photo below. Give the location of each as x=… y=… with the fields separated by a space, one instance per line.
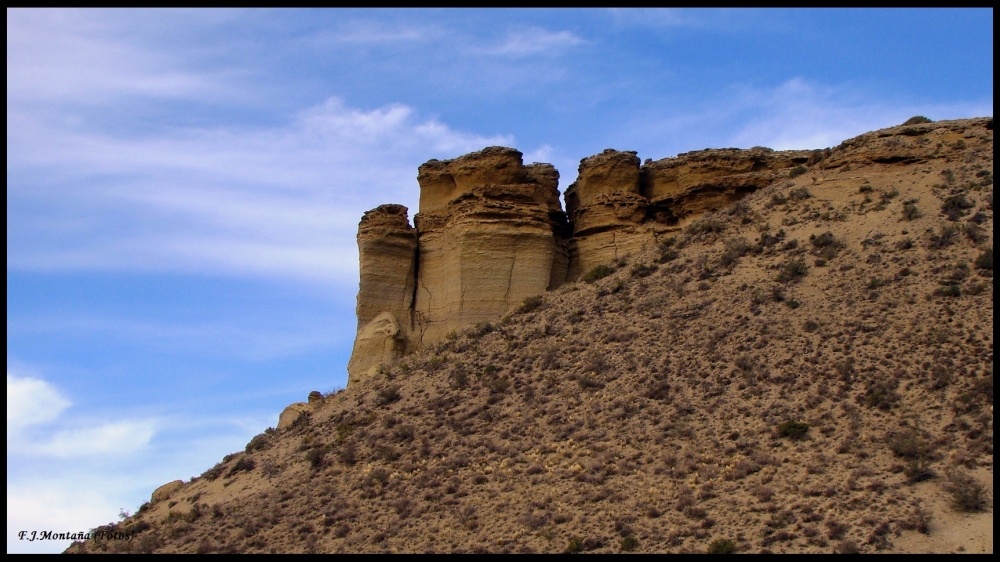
x=387 y=246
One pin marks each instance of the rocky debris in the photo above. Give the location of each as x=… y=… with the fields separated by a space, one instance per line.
x=164 y=492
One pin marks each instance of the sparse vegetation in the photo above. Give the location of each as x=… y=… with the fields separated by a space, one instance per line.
x=792 y=429
x=530 y=304
x=599 y=272
x=917 y=120
x=797 y=171
x=967 y=493
x=694 y=404
x=722 y=546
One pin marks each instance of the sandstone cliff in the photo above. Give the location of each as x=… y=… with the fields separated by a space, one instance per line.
x=491 y=232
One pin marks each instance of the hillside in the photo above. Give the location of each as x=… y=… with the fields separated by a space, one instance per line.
x=809 y=369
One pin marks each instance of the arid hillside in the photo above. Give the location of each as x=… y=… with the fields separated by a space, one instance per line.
x=809 y=369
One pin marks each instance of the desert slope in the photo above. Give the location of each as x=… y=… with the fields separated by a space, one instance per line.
x=809 y=369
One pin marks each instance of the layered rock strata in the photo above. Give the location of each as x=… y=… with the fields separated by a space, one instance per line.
x=491 y=232
x=616 y=206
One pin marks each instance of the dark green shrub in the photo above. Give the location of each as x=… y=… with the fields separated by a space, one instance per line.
x=315 y=456
x=985 y=259
x=952 y=291
x=910 y=210
x=257 y=443
x=574 y=546
x=388 y=395
x=793 y=270
x=530 y=304
x=722 y=546
x=792 y=429
x=481 y=329
x=499 y=385
x=599 y=272
x=643 y=270
x=799 y=194
x=866 y=188
x=944 y=237
x=629 y=543
x=244 y=464
x=214 y=472
x=917 y=120
x=955 y=207
x=797 y=171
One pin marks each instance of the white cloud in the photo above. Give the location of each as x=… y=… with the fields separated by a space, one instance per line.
x=74 y=55
x=799 y=114
x=281 y=201
x=31 y=401
x=109 y=438
x=533 y=41
x=35 y=426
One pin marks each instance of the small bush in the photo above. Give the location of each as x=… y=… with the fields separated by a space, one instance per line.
x=530 y=304
x=956 y=206
x=599 y=272
x=792 y=429
x=388 y=395
x=797 y=171
x=949 y=291
x=722 y=546
x=315 y=456
x=257 y=443
x=481 y=329
x=643 y=270
x=629 y=543
x=245 y=464
x=793 y=270
x=944 y=237
x=910 y=210
x=985 y=259
x=866 y=188
x=705 y=225
x=917 y=120
x=918 y=470
x=574 y=546
x=967 y=494
x=908 y=444
x=799 y=194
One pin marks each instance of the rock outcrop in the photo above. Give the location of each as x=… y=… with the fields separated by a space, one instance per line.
x=491 y=232
x=387 y=246
x=165 y=491
x=617 y=206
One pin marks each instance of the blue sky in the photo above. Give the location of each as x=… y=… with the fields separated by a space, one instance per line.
x=184 y=187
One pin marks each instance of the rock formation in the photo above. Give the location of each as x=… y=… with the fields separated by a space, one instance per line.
x=491 y=232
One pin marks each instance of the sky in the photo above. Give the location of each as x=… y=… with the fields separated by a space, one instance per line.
x=184 y=186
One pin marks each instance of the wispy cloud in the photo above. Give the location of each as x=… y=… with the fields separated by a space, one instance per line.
x=281 y=201
x=74 y=56
x=31 y=401
x=532 y=41
x=799 y=114
x=34 y=409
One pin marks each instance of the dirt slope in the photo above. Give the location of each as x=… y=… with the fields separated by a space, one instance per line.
x=809 y=370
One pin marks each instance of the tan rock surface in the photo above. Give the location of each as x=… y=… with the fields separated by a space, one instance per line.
x=163 y=492
x=387 y=246
x=488 y=248
x=291 y=414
